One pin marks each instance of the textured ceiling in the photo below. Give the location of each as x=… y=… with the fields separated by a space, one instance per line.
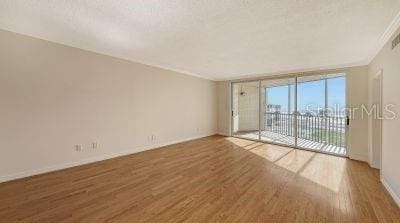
x=215 y=39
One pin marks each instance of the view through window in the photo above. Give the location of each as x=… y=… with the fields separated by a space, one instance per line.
x=266 y=110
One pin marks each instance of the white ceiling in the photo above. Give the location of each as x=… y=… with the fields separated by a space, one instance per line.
x=216 y=39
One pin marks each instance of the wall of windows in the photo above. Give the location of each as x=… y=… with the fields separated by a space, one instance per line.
x=306 y=112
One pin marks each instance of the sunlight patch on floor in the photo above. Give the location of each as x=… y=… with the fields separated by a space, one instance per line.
x=295 y=160
x=240 y=142
x=322 y=169
x=326 y=171
x=271 y=152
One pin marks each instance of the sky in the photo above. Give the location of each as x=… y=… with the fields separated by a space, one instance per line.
x=310 y=95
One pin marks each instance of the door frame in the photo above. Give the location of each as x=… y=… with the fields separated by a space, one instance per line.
x=377 y=77
x=295 y=76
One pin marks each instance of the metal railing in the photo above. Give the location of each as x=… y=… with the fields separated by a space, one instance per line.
x=318 y=128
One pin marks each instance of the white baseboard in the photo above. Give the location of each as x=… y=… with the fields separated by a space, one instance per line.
x=374 y=165
x=29 y=173
x=223 y=133
x=359 y=157
x=391 y=192
x=364 y=159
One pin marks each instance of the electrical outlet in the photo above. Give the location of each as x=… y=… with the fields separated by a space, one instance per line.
x=153 y=137
x=78 y=147
x=94 y=145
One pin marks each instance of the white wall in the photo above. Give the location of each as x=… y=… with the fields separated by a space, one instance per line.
x=389 y=61
x=53 y=97
x=357 y=95
x=248 y=107
x=224 y=107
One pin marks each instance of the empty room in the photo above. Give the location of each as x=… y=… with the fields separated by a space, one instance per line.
x=199 y=111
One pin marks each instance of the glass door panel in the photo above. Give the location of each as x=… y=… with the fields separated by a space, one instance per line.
x=277 y=111
x=321 y=121
x=245 y=110
x=336 y=103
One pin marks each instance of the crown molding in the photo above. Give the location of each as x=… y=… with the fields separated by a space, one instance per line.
x=99 y=52
x=283 y=73
x=386 y=36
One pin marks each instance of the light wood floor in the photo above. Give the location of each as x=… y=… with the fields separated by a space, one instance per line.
x=211 y=179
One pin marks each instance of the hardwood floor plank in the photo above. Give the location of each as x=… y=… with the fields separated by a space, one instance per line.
x=213 y=179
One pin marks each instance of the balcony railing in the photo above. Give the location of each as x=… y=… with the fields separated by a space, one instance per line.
x=324 y=129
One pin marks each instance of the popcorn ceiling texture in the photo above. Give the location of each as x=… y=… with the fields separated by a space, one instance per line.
x=208 y=38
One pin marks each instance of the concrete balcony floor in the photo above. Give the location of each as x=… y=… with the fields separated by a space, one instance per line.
x=274 y=137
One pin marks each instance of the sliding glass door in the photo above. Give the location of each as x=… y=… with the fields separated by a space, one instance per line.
x=277 y=111
x=305 y=112
x=311 y=108
x=321 y=120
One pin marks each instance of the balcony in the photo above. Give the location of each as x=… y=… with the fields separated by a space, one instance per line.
x=322 y=133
